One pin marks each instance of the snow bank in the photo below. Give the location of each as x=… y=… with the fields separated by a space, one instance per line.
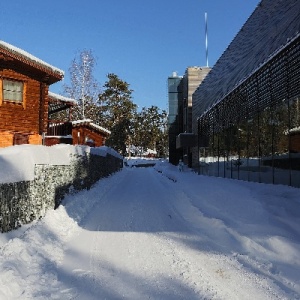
x=168 y=170
x=17 y=162
x=31 y=255
x=140 y=161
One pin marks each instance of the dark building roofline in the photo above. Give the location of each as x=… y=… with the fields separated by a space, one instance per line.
x=270 y=28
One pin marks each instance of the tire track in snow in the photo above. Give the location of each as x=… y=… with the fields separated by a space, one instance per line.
x=141 y=244
x=127 y=249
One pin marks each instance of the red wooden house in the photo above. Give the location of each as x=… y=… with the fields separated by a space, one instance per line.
x=27 y=106
x=24 y=85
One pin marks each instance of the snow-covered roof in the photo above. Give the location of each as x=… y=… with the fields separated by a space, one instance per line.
x=61 y=98
x=90 y=123
x=26 y=57
x=271 y=28
x=295 y=130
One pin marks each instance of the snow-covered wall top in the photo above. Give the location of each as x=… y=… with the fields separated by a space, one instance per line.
x=104 y=150
x=17 y=162
x=28 y=56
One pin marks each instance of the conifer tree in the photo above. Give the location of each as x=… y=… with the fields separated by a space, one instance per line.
x=117 y=111
x=150 y=130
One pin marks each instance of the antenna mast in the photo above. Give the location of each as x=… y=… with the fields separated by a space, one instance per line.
x=206 y=40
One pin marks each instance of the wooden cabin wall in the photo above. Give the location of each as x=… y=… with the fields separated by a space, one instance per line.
x=79 y=135
x=30 y=117
x=295 y=143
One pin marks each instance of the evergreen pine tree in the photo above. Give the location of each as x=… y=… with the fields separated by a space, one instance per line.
x=117 y=111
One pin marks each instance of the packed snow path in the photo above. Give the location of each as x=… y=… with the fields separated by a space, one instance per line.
x=136 y=245
x=143 y=237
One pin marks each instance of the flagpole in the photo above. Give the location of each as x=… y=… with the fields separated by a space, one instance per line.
x=206 y=40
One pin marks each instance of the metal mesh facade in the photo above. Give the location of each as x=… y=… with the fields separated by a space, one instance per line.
x=247 y=111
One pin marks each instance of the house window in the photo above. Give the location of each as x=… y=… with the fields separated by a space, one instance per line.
x=13 y=90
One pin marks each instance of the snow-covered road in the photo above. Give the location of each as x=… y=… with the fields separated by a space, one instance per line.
x=144 y=236
x=134 y=246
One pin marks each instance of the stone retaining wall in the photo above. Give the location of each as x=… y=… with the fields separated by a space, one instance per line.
x=25 y=201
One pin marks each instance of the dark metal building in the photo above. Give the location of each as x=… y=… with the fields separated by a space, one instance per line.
x=175 y=124
x=246 y=113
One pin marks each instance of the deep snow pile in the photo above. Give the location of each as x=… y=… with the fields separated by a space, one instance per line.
x=17 y=162
x=138 y=234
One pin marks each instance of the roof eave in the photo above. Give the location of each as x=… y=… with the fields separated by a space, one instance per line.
x=51 y=74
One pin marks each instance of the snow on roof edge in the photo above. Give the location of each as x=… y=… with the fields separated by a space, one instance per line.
x=81 y=121
x=90 y=122
x=29 y=56
x=61 y=98
x=295 y=129
x=100 y=128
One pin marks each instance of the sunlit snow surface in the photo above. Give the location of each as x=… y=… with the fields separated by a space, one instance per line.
x=17 y=162
x=157 y=233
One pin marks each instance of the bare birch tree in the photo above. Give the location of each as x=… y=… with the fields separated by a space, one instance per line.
x=83 y=86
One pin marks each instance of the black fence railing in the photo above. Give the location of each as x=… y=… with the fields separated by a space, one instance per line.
x=58 y=128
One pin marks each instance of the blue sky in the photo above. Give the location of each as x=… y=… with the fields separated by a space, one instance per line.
x=142 y=42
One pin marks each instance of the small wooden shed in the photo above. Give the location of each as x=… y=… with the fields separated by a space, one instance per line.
x=59 y=128
x=295 y=140
x=85 y=132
